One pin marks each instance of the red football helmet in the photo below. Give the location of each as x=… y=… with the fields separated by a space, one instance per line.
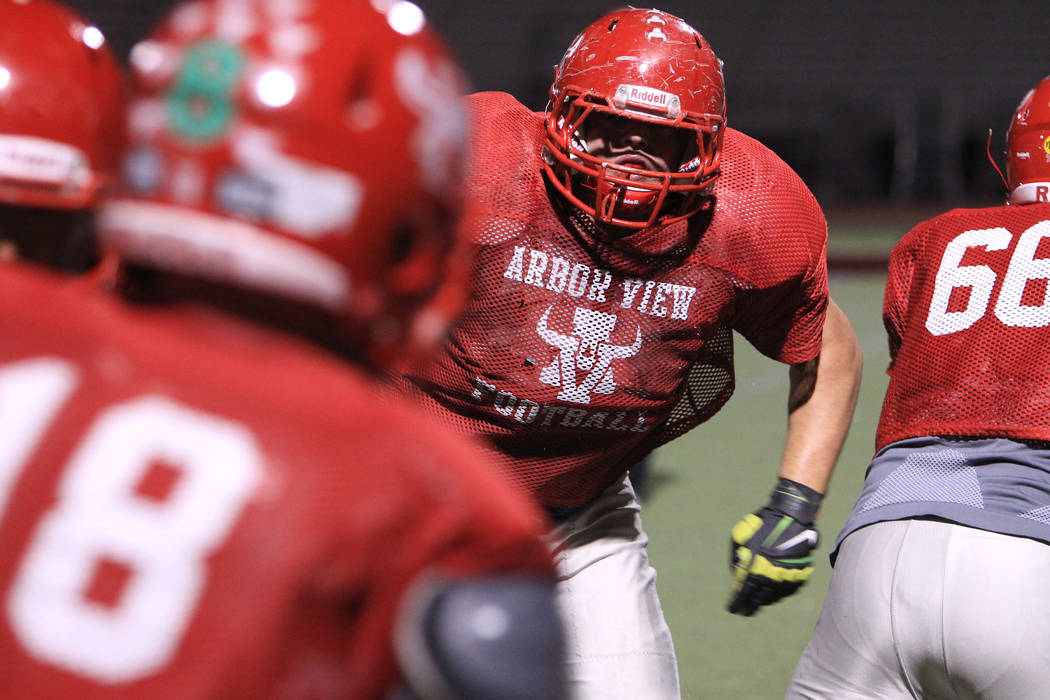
x=309 y=151
x=1028 y=148
x=648 y=66
x=61 y=107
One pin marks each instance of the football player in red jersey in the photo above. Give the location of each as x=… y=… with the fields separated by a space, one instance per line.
x=938 y=587
x=196 y=501
x=621 y=238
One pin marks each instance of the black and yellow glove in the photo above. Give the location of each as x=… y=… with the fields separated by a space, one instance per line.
x=771 y=550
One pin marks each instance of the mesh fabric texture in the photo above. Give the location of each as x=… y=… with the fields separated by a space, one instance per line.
x=967 y=312
x=578 y=354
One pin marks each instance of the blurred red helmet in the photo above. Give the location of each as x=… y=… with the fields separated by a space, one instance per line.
x=643 y=65
x=1028 y=148
x=61 y=107
x=311 y=151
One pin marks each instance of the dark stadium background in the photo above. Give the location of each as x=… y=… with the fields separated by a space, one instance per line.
x=870 y=101
x=884 y=109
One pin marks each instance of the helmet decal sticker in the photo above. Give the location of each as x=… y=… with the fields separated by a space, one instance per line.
x=200 y=104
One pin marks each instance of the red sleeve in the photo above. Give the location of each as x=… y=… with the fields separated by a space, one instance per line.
x=776 y=233
x=793 y=327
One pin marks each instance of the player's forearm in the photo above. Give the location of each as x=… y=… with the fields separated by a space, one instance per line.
x=817 y=425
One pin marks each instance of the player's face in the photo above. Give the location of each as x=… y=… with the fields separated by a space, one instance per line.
x=634 y=142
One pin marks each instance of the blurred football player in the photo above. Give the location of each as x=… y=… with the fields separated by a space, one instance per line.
x=197 y=503
x=622 y=236
x=61 y=130
x=938 y=585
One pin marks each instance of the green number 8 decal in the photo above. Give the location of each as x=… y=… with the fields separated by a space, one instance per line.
x=200 y=104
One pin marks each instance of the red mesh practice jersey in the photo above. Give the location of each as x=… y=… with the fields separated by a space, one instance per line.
x=967 y=311
x=191 y=507
x=574 y=359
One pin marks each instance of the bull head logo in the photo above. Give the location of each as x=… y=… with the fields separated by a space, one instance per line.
x=588 y=350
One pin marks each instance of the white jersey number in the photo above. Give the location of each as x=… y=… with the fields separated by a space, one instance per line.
x=152 y=489
x=981 y=280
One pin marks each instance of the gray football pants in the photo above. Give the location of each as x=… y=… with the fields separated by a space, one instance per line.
x=618 y=645
x=929 y=609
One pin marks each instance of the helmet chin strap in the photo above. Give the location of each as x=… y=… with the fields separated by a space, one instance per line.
x=622 y=201
x=577 y=144
x=988 y=151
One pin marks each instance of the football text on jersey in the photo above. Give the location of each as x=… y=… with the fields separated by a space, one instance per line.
x=528 y=412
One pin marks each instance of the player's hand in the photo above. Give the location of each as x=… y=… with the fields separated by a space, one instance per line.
x=771 y=550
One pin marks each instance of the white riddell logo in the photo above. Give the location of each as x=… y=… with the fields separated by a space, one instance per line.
x=653 y=97
x=586 y=349
x=646 y=98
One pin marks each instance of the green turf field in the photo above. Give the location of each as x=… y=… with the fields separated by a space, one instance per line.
x=705 y=481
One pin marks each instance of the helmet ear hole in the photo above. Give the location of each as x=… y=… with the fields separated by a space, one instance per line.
x=402 y=241
x=358 y=99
